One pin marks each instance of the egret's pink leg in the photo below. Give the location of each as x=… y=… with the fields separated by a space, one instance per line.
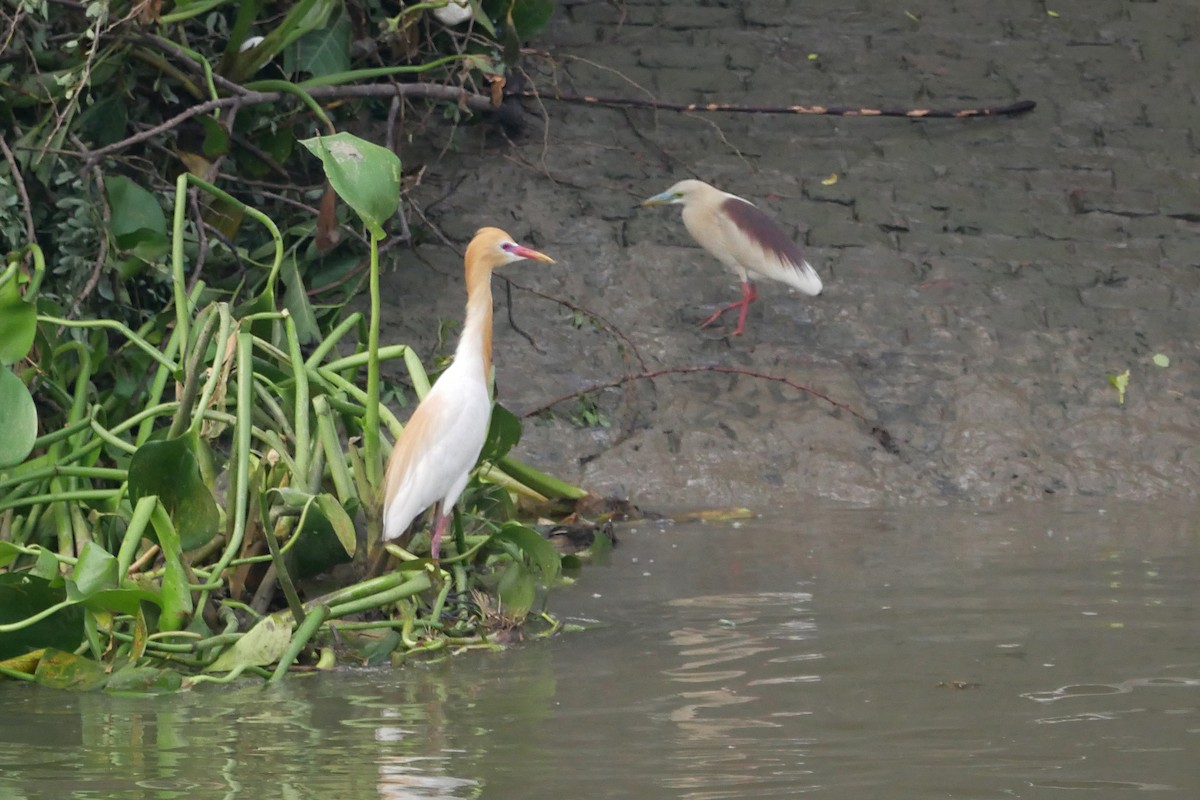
x=749 y=295
x=439 y=527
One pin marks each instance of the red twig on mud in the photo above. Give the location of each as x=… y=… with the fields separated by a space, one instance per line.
x=878 y=431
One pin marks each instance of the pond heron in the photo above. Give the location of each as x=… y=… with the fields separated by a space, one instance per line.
x=741 y=237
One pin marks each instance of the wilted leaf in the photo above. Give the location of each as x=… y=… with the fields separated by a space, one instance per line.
x=830 y=181
x=1122 y=383
x=144 y=680
x=58 y=669
x=263 y=644
x=363 y=174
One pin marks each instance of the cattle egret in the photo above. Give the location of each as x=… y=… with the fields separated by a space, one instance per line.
x=439 y=446
x=742 y=238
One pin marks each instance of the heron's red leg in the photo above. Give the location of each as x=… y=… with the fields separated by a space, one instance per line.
x=441 y=521
x=749 y=295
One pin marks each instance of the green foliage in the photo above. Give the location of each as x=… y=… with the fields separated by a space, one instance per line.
x=192 y=470
x=98 y=185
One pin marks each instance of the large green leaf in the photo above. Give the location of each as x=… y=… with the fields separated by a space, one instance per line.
x=363 y=174
x=18 y=323
x=18 y=419
x=21 y=597
x=169 y=469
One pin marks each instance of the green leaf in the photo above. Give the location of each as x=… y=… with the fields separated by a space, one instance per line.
x=8 y=553
x=504 y=432
x=539 y=551
x=295 y=300
x=321 y=52
x=18 y=323
x=122 y=601
x=21 y=597
x=529 y=17
x=1161 y=360
x=363 y=174
x=262 y=645
x=136 y=214
x=517 y=590
x=18 y=419
x=95 y=571
x=216 y=138
x=46 y=566
x=169 y=469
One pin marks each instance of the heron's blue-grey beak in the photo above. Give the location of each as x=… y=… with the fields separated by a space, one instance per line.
x=660 y=199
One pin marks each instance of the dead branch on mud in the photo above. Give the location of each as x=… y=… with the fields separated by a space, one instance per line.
x=878 y=432
x=1011 y=109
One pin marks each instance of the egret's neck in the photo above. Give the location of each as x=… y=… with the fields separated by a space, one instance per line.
x=475 y=344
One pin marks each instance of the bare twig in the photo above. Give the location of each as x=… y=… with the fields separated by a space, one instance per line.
x=433 y=91
x=30 y=232
x=879 y=432
x=102 y=255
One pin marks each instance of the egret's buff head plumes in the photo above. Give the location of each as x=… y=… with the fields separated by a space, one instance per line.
x=742 y=238
x=434 y=456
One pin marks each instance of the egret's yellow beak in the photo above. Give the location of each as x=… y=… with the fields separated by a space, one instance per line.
x=528 y=252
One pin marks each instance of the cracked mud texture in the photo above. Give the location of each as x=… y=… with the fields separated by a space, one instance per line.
x=983 y=277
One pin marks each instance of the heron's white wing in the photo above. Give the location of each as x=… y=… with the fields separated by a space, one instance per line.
x=434 y=456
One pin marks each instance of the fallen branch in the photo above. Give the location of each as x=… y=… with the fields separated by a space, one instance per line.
x=1011 y=109
x=880 y=433
x=434 y=91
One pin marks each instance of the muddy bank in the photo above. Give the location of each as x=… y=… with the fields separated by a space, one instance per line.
x=983 y=277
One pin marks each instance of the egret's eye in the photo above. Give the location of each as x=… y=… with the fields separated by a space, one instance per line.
x=507 y=246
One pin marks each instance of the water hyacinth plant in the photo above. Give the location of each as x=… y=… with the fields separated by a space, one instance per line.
x=198 y=480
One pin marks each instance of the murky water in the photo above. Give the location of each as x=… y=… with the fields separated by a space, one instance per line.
x=1039 y=651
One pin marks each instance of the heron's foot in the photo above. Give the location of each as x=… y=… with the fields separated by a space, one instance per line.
x=749 y=295
x=716 y=315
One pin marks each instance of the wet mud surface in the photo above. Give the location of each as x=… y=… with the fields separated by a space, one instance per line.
x=983 y=278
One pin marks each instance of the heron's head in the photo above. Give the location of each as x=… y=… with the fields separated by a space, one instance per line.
x=679 y=193
x=492 y=247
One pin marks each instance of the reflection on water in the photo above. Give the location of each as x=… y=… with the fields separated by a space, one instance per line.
x=1044 y=650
